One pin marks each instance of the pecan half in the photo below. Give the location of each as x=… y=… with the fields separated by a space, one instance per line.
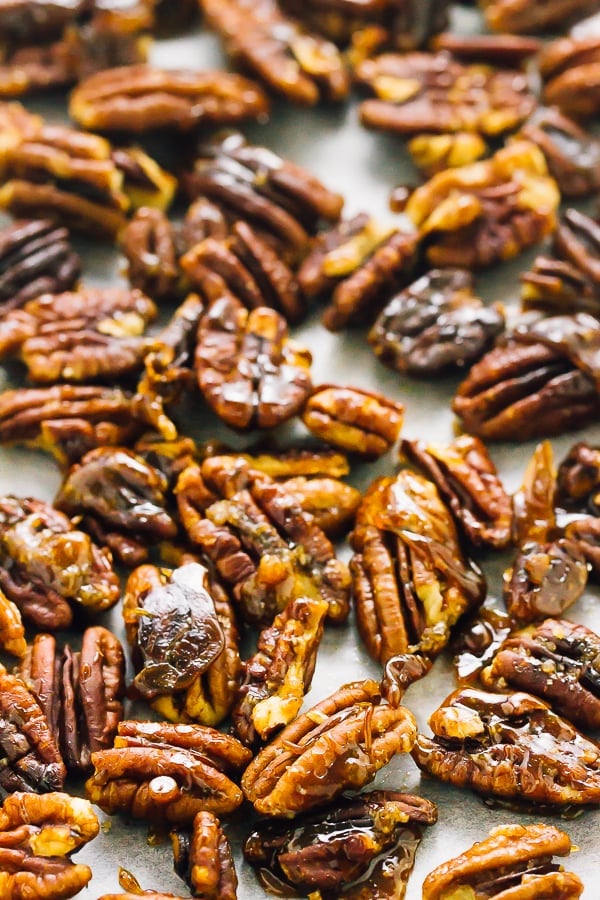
x=435 y=324
x=510 y=746
x=138 y=99
x=507 y=51
x=167 y=773
x=340 y=744
x=46 y=564
x=515 y=861
x=204 y=860
x=149 y=245
x=570 y=68
x=365 y=843
x=520 y=16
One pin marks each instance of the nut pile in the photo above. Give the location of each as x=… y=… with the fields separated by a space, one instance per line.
x=230 y=563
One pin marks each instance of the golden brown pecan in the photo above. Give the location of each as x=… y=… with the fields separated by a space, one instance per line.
x=276 y=677
x=489 y=211
x=432 y=153
x=314 y=854
x=570 y=68
x=533 y=503
x=339 y=744
x=249 y=371
x=261 y=39
x=137 y=99
x=144 y=182
x=332 y=502
x=37 y=837
x=46 y=564
x=132 y=890
x=520 y=16
x=411 y=580
x=352 y=419
x=311 y=461
x=12 y=632
x=17 y=123
x=167 y=773
x=515 y=861
x=510 y=746
x=203 y=859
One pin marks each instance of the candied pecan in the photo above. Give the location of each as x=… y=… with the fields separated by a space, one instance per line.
x=312 y=461
x=250 y=373
x=545 y=579
x=260 y=540
x=570 y=68
x=203 y=859
x=167 y=773
x=35 y=258
x=515 y=861
x=45 y=562
x=521 y=16
x=332 y=502
x=290 y=60
x=113 y=33
x=508 y=51
x=468 y=482
x=202 y=220
x=149 y=245
x=43 y=19
x=340 y=744
x=276 y=677
x=144 y=182
x=572 y=154
x=37 y=837
x=138 y=99
x=411 y=580
x=12 y=632
x=424 y=92
x=432 y=153
x=38 y=67
x=489 y=211
x=510 y=746
x=578 y=479
x=121 y=499
x=364 y=843
x=400 y=672
x=479 y=638
x=435 y=324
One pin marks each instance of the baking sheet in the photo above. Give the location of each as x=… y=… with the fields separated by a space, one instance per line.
x=363 y=166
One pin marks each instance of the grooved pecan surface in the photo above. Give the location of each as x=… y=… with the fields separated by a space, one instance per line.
x=204 y=860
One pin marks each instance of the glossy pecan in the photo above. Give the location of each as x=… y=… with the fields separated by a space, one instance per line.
x=436 y=324
x=570 y=68
x=138 y=99
x=578 y=479
x=533 y=503
x=249 y=371
x=489 y=211
x=46 y=564
x=332 y=502
x=167 y=773
x=204 y=860
x=479 y=638
x=507 y=51
x=144 y=182
x=150 y=247
x=310 y=461
x=515 y=861
x=340 y=744
x=432 y=153
x=468 y=482
x=411 y=580
x=37 y=837
x=367 y=843
x=522 y=17
x=509 y=746
x=121 y=500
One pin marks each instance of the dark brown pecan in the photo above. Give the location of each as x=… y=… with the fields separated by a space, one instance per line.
x=204 y=860
x=79 y=692
x=26 y=69
x=578 y=479
x=171 y=19
x=46 y=564
x=435 y=324
x=570 y=68
x=276 y=678
x=122 y=501
x=352 y=419
x=468 y=482
x=411 y=580
x=12 y=632
x=203 y=219
x=367 y=843
x=479 y=638
x=138 y=99
x=144 y=182
x=520 y=16
x=37 y=837
x=149 y=244
x=515 y=861
x=424 y=92
x=545 y=579
x=507 y=51
x=400 y=672
x=572 y=154
x=332 y=502
x=290 y=60
x=340 y=744
x=432 y=153
x=489 y=211
x=38 y=19
x=260 y=540
x=168 y=773
x=249 y=371
x=85 y=335
x=542 y=381
x=510 y=746
x=113 y=33
x=558 y=661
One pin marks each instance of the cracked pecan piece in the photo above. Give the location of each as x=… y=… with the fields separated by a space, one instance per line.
x=367 y=843
x=556 y=660
x=411 y=580
x=204 y=859
x=435 y=324
x=522 y=17
x=249 y=371
x=46 y=564
x=340 y=744
x=139 y=99
x=509 y=746
x=570 y=68
x=487 y=212
x=543 y=380
x=38 y=834
x=166 y=774
x=515 y=861
x=418 y=93
x=260 y=540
